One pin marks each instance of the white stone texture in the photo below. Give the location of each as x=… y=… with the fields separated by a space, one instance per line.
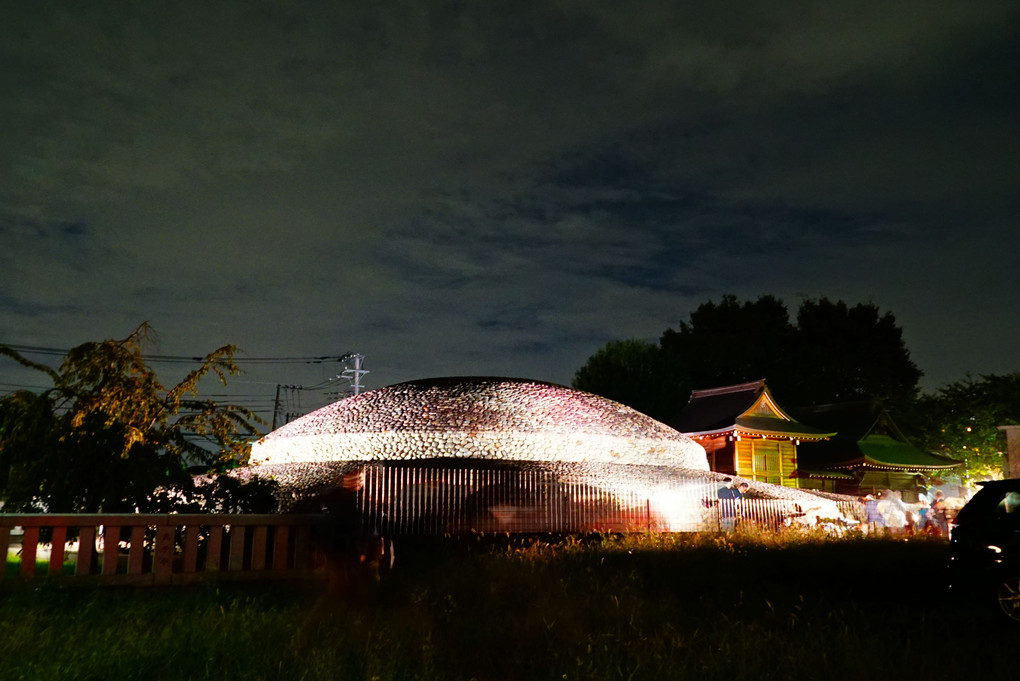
x=494 y=419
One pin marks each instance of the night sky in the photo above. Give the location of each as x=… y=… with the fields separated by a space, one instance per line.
x=474 y=188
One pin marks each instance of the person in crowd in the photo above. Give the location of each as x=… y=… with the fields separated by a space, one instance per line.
x=353 y=549
x=893 y=510
x=923 y=508
x=730 y=495
x=872 y=515
x=939 y=519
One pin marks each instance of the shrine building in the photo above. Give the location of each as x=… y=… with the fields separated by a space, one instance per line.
x=745 y=433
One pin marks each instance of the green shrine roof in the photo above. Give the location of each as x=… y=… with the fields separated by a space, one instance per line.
x=768 y=425
x=885 y=451
x=746 y=407
x=866 y=437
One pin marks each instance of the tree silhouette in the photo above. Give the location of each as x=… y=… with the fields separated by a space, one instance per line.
x=108 y=435
x=733 y=342
x=834 y=353
x=847 y=353
x=638 y=374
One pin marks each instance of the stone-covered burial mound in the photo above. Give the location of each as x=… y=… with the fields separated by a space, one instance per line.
x=454 y=455
x=495 y=419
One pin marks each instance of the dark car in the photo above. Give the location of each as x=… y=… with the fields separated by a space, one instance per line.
x=984 y=546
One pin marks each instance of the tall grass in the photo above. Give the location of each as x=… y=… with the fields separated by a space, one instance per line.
x=640 y=607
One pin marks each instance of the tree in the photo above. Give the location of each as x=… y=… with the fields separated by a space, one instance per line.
x=961 y=421
x=733 y=342
x=638 y=374
x=108 y=436
x=844 y=354
x=834 y=353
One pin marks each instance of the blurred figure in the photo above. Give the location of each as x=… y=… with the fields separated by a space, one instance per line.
x=893 y=510
x=923 y=509
x=872 y=516
x=729 y=503
x=354 y=551
x=938 y=517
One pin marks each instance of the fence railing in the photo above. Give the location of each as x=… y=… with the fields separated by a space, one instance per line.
x=392 y=501
x=146 y=549
x=430 y=500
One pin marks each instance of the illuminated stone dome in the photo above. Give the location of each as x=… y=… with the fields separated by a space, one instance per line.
x=496 y=419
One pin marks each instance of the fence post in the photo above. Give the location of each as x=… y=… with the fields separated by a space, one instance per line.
x=136 y=552
x=86 y=548
x=5 y=543
x=57 y=550
x=29 y=546
x=258 y=547
x=214 y=551
x=163 y=556
x=191 y=548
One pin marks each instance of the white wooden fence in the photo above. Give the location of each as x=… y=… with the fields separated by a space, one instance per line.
x=161 y=549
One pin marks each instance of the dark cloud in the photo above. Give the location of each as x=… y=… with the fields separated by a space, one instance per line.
x=461 y=188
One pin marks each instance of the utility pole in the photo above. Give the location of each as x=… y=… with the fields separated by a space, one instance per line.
x=354 y=374
x=277 y=410
x=276 y=406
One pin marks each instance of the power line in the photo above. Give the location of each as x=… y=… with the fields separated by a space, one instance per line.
x=288 y=397
x=23 y=386
x=318 y=359
x=284 y=407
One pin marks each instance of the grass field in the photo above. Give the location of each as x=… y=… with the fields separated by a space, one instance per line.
x=655 y=607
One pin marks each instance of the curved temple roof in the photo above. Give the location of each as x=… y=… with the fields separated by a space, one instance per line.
x=866 y=437
x=743 y=409
x=479 y=418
